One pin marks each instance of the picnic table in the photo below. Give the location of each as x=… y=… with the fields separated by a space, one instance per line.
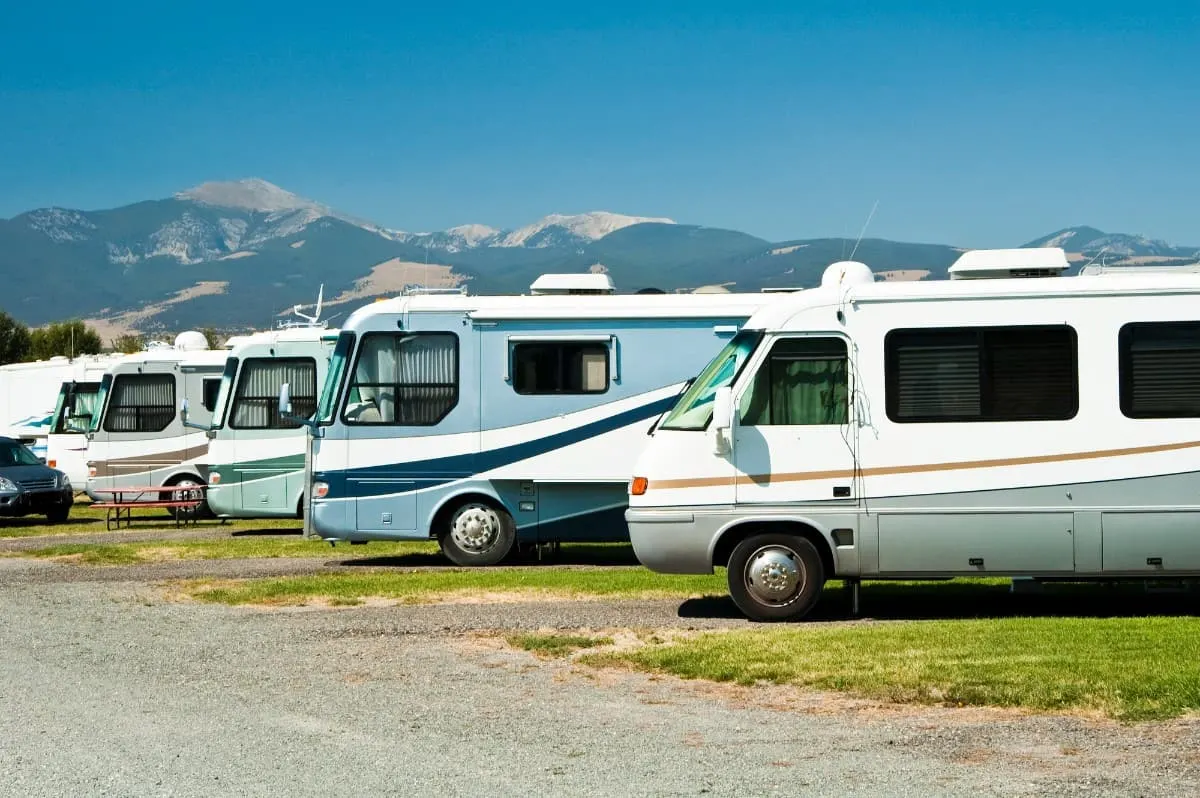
x=125 y=499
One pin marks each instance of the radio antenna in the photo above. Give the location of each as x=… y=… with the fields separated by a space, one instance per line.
x=870 y=216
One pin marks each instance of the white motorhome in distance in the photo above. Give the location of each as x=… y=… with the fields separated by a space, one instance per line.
x=137 y=437
x=66 y=442
x=487 y=421
x=27 y=397
x=255 y=459
x=1032 y=426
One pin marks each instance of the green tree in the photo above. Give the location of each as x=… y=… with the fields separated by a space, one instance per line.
x=128 y=343
x=67 y=338
x=14 y=340
x=213 y=337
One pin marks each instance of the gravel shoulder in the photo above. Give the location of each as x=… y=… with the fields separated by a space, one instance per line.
x=109 y=689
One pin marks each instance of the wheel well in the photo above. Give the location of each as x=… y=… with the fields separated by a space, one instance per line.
x=442 y=516
x=735 y=535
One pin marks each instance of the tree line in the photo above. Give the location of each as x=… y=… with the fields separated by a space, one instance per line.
x=19 y=344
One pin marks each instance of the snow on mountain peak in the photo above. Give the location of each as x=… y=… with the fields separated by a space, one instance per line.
x=472 y=234
x=589 y=226
x=251 y=194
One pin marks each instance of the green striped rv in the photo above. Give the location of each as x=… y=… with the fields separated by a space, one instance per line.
x=255 y=463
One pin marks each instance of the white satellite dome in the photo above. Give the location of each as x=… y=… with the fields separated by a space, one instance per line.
x=191 y=341
x=846 y=272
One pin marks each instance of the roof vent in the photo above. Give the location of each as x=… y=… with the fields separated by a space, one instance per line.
x=993 y=264
x=549 y=284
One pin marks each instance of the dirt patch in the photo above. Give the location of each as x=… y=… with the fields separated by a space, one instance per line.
x=131 y=322
x=903 y=275
x=393 y=275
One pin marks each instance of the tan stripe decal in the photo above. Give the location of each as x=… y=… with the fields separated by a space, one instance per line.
x=763 y=480
x=146 y=462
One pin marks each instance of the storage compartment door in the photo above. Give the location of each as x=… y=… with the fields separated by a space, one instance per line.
x=1150 y=542
x=962 y=543
x=385 y=505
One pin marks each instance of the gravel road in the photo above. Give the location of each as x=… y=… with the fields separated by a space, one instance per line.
x=108 y=690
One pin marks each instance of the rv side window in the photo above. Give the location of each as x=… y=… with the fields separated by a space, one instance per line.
x=403 y=379
x=982 y=374
x=141 y=403
x=1160 y=369
x=212 y=389
x=802 y=381
x=256 y=401
x=559 y=367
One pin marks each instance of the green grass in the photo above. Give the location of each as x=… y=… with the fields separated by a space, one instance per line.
x=1131 y=669
x=217 y=549
x=418 y=586
x=556 y=645
x=85 y=520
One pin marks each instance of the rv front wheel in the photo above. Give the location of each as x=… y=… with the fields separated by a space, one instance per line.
x=195 y=493
x=478 y=534
x=775 y=577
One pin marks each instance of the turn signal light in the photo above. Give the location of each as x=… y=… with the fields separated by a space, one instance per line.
x=214 y=478
x=320 y=490
x=52 y=463
x=91 y=471
x=638 y=486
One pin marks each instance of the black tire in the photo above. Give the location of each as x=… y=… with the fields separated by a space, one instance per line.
x=775 y=577
x=201 y=510
x=477 y=533
x=59 y=515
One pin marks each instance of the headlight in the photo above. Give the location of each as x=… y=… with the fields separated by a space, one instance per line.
x=320 y=490
x=8 y=486
x=64 y=481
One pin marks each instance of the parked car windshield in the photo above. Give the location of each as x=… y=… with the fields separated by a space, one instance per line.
x=694 y=408
x=14 y=454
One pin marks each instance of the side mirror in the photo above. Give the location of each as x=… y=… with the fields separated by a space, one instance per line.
x=183 y=416
x=722 y=419
x=285 y=400
x=183 y=410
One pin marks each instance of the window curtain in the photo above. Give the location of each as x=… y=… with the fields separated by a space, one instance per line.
x=427 y=377
x=142 y=403
x=85 y=407
x=790 y=391
x=257 y=404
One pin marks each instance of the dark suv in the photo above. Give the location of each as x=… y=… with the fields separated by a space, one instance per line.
x=30 y=487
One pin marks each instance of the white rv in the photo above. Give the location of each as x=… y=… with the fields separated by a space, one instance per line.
x=486 y=422
x=27 y=397
x=1004 y=422
x=66 y=442
x=255 y=459
x=137 y=438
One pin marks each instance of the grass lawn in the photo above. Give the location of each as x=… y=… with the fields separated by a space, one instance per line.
x=419 y=586
x=232 y=547
x=84 y=520
x=1131 y=669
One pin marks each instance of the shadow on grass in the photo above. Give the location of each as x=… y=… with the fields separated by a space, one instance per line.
x=965 y=600
x=263 y=533
x=576 y=554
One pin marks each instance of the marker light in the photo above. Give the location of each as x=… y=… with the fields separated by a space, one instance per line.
x=214 y=478
x=638 y=486
x=320 y=490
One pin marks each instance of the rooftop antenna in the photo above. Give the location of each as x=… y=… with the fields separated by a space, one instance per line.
x=316 y=313
x=870 y=216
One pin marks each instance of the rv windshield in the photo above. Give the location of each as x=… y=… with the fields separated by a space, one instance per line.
x=694 y=408
x=218 y=418
x=333 y=378
x=76 y=407
x=105 y=387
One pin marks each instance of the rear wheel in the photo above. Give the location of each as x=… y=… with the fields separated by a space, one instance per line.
x=775 y=577
x=189 y=513
x=58 y=515
x=477 y=533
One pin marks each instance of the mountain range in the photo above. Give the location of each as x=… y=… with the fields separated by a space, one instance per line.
x=237 y=255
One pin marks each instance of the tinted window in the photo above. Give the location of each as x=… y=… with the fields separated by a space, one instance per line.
x=256 y=402
x=557 y=368
x=1160 y=369
x=802 y=381
x=141 y=403
x=982 y=374
x=212 y=389
x=408 y=379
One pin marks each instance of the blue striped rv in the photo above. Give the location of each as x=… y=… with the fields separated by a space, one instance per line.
x=484 y=422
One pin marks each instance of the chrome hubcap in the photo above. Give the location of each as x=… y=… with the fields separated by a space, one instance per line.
x=475 y=528
x=774 y=575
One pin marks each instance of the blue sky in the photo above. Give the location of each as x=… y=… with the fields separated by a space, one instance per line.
x=976 y=124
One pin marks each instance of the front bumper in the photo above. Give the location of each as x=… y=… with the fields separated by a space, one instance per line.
x=671 y=541
x=34 y=502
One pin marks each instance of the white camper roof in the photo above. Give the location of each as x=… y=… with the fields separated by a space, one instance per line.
x=581 y=283
x=999 y=263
